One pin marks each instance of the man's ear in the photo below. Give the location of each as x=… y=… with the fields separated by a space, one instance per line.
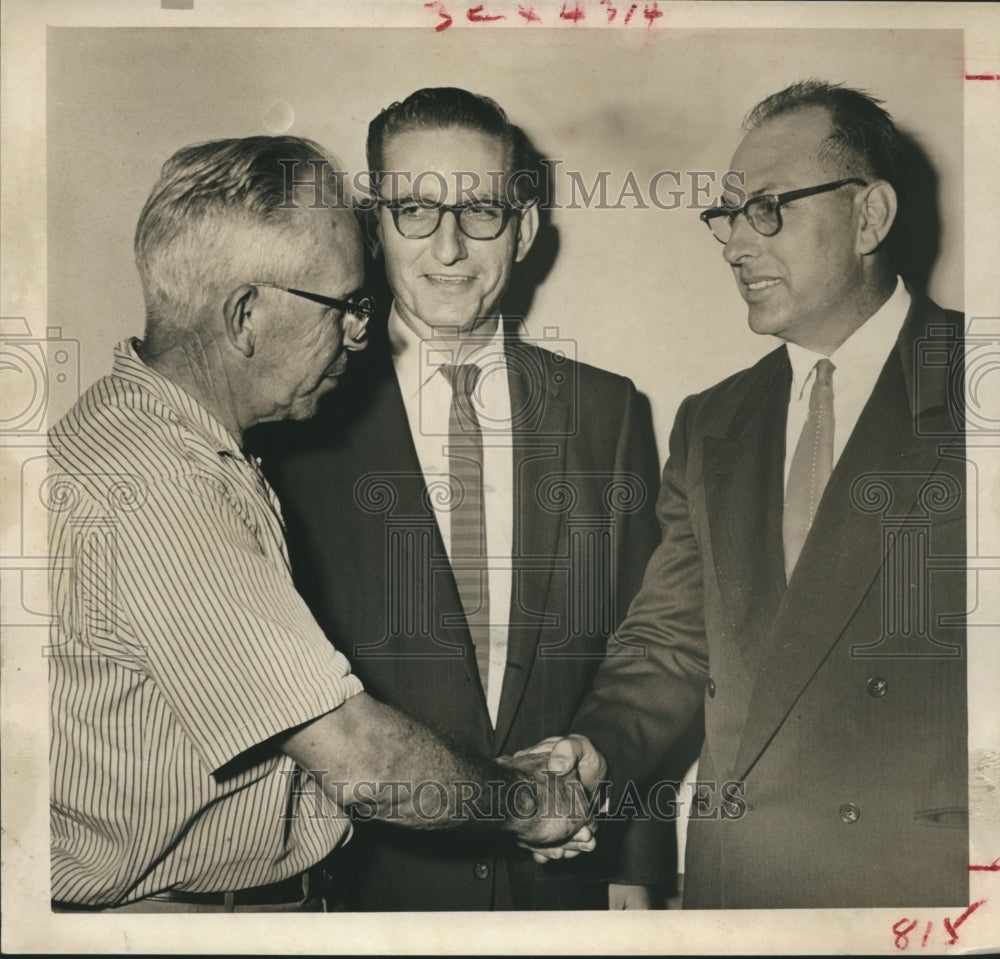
x=877 y=211
x=527 y=230
x=240 y=321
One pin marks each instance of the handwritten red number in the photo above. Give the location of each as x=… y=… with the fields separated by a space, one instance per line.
x=952 y=926
x=927 y=932
x=476 y=15
x=612 y=11
x=576 y=14
x=631 y=10
x=529 y=14
x=442 y=13
x=652 y=13
x=902 y=929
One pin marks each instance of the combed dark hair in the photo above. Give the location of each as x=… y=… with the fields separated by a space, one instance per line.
x=442 y=108
x=206 y=190
x=863 y=141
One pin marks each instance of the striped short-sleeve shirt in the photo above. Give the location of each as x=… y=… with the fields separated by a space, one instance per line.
x=180 y=648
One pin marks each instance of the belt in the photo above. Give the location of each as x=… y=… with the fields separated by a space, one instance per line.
x=293 y=889
x=298 y=888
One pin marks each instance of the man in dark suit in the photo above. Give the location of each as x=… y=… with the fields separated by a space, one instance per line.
x=810 y=584
x=474 y=514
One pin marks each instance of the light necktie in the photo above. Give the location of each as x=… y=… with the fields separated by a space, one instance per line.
x=811 y=466
x=468 y=515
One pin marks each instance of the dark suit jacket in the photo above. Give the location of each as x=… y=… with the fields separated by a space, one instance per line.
x=369 y=559
x=837 y=703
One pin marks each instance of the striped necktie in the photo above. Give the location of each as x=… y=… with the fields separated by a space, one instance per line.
x=812 y=464
x=468 y=516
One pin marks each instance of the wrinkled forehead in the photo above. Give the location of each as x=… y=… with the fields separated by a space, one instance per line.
x=443 y=165
x=783 y=153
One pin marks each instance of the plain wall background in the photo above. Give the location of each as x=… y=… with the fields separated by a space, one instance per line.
x=643 y=292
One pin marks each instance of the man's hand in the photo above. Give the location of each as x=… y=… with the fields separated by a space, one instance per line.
x=553 y=810
x=564 y=756
x=583 y=840
x=366 y=743
x=568 y=753
x=621 y=896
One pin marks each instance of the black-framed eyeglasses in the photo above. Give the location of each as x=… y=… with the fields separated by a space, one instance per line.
x=478 y=220
x=763 y=212
x=362 y=308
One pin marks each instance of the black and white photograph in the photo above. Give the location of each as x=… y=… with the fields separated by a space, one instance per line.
x=475 y=469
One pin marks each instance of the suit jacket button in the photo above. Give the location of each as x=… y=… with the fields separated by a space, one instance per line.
x=877 y=686
x=481 y=870
x=849 y=812
x=711 y=688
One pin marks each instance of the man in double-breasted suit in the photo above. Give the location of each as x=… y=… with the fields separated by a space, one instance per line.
x=493 y=643
x=810 y=584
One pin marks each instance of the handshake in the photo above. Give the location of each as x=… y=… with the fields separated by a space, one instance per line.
x=562 y=825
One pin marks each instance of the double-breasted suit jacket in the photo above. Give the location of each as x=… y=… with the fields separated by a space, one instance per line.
x=835 y=704
x=370 y=561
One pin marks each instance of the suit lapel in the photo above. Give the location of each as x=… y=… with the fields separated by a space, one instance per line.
x=743 y=502
x=540 y=431
x=843 y=553
x=384 y=435
x=390 y=477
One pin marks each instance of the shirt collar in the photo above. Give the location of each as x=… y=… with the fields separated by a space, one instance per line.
x=129 y=366
x=867 y=347
x=417 y=359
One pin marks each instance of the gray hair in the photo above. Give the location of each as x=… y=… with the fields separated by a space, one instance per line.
x=201 y=226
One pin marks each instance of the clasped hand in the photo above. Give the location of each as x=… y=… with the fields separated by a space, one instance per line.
x=572 y=768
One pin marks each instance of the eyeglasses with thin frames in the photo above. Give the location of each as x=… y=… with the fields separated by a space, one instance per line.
x=362 y=308
x=763 y=212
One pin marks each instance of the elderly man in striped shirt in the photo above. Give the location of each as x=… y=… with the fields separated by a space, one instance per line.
x=206 y=736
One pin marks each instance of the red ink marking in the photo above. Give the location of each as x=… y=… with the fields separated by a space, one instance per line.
x=576 y=14
x=529 y=14
x=923 y=942
x=982 y=76
x=442 y=14
x=902 y=928
x=992 y=867
x=952 y=926
x=652 y=13
x=631 y=10
x=476 y=15
x=612 y=11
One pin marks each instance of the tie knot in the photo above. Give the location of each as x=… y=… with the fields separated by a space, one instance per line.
x=824 y=372
x=461 y=376
x=821 y=396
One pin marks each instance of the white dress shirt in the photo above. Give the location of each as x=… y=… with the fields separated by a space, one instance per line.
x=857 y=362
x=427 y=399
